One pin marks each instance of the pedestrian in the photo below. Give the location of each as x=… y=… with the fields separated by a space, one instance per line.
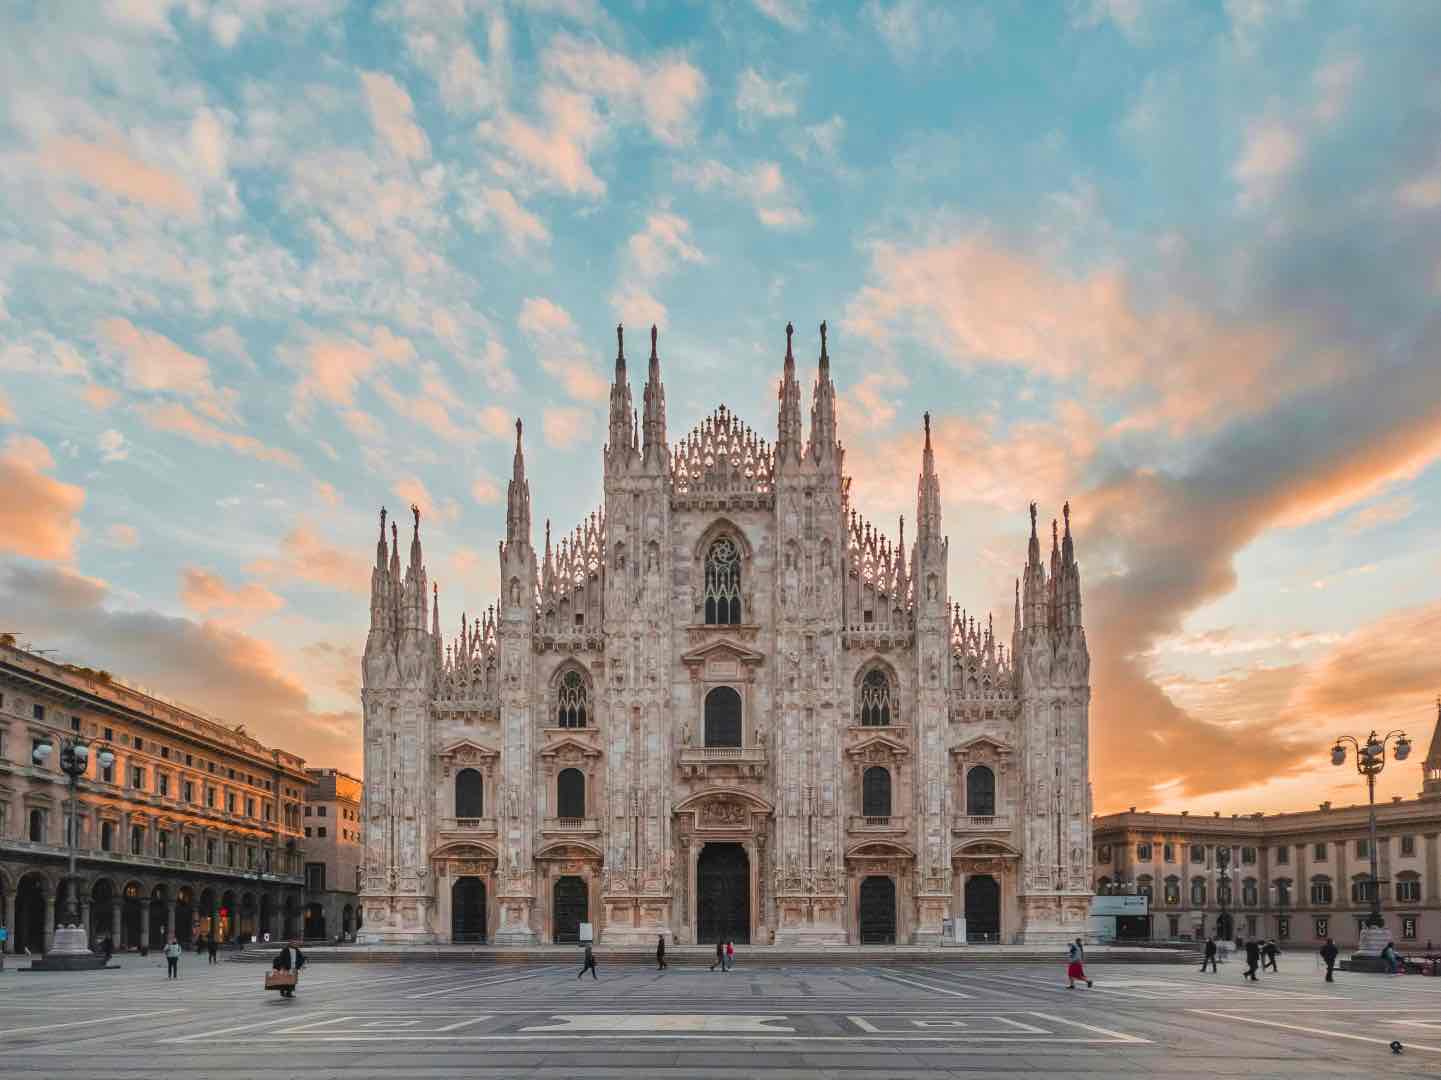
x=589 y=963
x=211 y=947
x=172 y=959
x=290 y=958
x=4 y=943
x=108 y=949
x=1389 y=958
x=1328 y=954
x=1209 y=956
x=720 y=956
x=730 y=955
x=1076 y=967
x=1253 y=960
x=660 y=952
x=1269 y=953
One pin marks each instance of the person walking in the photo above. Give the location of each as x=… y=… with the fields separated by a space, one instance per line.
x=210 y=947
x=1209 y=956
x=1076 y=966
x=1329 y=953
x=289 y=958
x=730 y=955
x=4 y=944
x=108 y=949
x=1269 y=952
x=172 y=959
x=589 y=963
x=1253 y=960
x=720 y=956
x=660 y=964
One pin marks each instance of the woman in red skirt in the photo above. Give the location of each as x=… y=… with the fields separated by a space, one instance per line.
x=1076 y=969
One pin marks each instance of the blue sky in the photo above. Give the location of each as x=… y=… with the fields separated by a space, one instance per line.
x=268 y=265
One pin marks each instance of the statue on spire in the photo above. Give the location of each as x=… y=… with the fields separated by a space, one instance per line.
x=1033 y=518
x=415 y=509
x=620 y=341
x=824 y=356
x=789 y=331
x=652 y=341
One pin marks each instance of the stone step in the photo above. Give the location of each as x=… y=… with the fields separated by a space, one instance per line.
x=698 y=955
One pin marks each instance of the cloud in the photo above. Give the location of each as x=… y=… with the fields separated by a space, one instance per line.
x=221 y=671
x=1334 y=83
x=763 y=185
x=393 y=115
x=113 y=167
x=564 y=428
x=203 y=592
x=650 y=255
x=792 y=14
x=1125 y=15
x=7 y=411
x=334 y=665
x=305 y=556
x=552 y=335
x=663 y=93
x=99 y=397
x=332 y=365
x=558 y=149
x=151 y=362
x=496 y=206
x=111 y=445
x=484 y=490
x=758 y=98
x=1422 y=191
x=179 y=420
x=917 y=30
x=327 y=494
x=412 y=492
x=121 y=535
x=823 y=140
x=1272 y=150
x=38 y=513
x=1378 y=514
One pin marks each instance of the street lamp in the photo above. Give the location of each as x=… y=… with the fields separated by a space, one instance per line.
x=70 y=949
x=1223 y=890
x=1370 y=760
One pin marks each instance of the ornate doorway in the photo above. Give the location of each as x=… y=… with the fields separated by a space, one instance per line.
x=467 y=910
x=723 y=894
x=570 y=908
x=878 y=911
x=983 y=908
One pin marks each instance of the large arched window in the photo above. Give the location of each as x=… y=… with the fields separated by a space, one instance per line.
x=469 y=794
x=1198 y=892
x=877 y=700
x=876 y=792
x=723 y=583
x=571 y=700
x=723 y=717
x=570 y=794
x=981 y=791
x=37 y=826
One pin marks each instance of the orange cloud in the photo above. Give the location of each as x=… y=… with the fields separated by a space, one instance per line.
x=179 y=420
x=335 y=365
x=115 y=169
x=7 y=411
x=304 y=556
x=202 y=591
x=152 y=362
x=38 y=512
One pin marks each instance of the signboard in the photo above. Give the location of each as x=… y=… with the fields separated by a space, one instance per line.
x=587 y=932
x=1120 y=905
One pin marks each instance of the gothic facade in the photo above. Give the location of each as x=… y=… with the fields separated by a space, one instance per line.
x=725 y=706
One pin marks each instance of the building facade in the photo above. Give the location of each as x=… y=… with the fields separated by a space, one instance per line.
x=332 y=854
x=725 y=706
x=194 y=829
x=1298 y=877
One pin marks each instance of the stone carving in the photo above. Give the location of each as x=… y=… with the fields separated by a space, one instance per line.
x=724 y=812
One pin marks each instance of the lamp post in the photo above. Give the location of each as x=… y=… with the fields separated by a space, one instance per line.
x=1223 y=889
x=1370 y=760
x=70 y=949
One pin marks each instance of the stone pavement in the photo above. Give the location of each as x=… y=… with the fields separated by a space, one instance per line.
x=846 y=1019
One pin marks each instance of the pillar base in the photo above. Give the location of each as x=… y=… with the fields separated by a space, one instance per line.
x=70 y=941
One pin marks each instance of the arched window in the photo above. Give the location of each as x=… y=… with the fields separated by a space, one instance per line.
x=37 y=826
x=1283 y=892
x=1198 y=892
x=723 y=583
x=1321 y=890
x=723 y=717
x=981 y=791
x=1408 y=887
x=571 y=699
x=570 y=794
x=877 y=704
x=1362 y=889
x=876 y=792
x=1145 y=886
x=469 y=794
x=1173 y=890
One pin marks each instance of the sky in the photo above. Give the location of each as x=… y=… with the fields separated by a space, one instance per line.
x=268 y=264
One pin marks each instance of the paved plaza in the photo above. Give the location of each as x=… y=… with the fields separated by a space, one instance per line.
x=834 y=1019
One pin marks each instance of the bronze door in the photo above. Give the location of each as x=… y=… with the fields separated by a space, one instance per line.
x=878 y=911
x=723 y=895
x=571 y=907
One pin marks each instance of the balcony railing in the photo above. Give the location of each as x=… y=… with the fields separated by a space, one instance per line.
x=699 y=754
x=981 y=822
x=888 y=823
x=474 y=826
x=572 y=826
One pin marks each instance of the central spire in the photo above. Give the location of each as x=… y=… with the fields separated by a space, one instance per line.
x=621 y=436
x=653 y=441
x=788 y=424
x=823 y=445
x=517 y=497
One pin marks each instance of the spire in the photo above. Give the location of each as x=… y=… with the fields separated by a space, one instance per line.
x=823 y=409
x=1431 y=768
x=1068 y=547
x=381 y=556
x=415 y=559
x=517 y=497
x=928 y=494
x=435 y=612
x=788 y=435
x=1033 y=557
x=621 y=438
x=394 y=555
x=653 y=443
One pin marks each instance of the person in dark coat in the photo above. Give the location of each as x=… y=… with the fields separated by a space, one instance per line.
x=720 y=956
x=211 y=945
x=1209 y=956
x=1253 y=960
x=660 y=952
x=589 y=963
x=1329 y=953
x=108 y=948
x=289 y=958
x=1269 y=953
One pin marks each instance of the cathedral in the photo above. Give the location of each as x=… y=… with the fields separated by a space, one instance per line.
x=726 y=707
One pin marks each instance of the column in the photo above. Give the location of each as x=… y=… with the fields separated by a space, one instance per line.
x=144 y=923
x=49 y=922
x=170 y=919
x=85 y=916
x=115 y=922
x=9 y=914
x=1429 y=896
x=692 y=912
